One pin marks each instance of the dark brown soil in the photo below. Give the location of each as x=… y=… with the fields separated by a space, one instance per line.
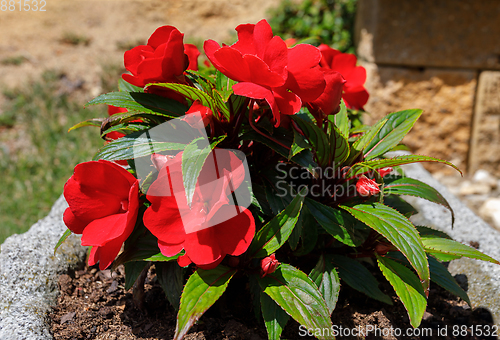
x=94 y=305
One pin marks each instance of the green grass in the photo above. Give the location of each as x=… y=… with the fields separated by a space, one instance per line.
x=33 y=175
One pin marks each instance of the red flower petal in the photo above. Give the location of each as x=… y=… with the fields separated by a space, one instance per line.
x=262 y=35
x=74 y=224
x=328 y=103
x=356 y=99
x=255 y=91
x=261 y=73
x=235 y=241
x=192 y=52
x=276 y=56
x=162 y=35
x=303 y=56
x=184 y=261
x=135 y=56
x=106 y=254
x=203 y=247
x=288 y=102
x=103 y=230
x=245 y=43
x=210 y=47
x=168 y=249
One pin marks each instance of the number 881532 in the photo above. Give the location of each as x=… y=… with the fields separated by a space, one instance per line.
x=22 y=5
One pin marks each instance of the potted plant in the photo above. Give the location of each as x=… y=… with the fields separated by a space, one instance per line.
x=255 y=166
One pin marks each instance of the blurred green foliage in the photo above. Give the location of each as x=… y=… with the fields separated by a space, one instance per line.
x=326 y=21
x=37 y=154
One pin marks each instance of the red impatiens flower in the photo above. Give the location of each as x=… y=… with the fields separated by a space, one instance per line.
x=266 y=69
x=211 y=227
x=163 y=60
x=367 y=187
x=103 y=203
x=268 y=265
x=355 y=94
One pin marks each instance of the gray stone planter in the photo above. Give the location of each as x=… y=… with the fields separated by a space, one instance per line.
x=29 y=269
x=28 y=275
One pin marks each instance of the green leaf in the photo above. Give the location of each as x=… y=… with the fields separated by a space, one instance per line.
x=134 y=145
x=141 y=245
x=435 y=245
x=413 y=187
x=132 y=271
x=400 y=205
x=396 y=126
x=429 y=232
x=299 y=144
x=303 y=158
x=62 y=239
x=162 y=258
x=171 y=278
x=398 y=230
x=293 y=291
x=326 y=279
x=341 y=120
x=339 y=147
x=277 y=231
x=407 y=286
x=275 y=318
x=441 y=276
x=278 y=200
x=202 y=289
x=224 y=84
x=361 y=143
x=88 y=122
x=190 y=92
x=358 y=277
x=126 y=128
x=308 y=232
x=338 y=223
x=142 y=102
x=193 y=158
x=362 y=167
x=317 y=138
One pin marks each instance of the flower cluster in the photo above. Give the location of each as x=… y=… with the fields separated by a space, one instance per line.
x=278 y=78
x=227 y=167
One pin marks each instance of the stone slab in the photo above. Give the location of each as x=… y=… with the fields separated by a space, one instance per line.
x=446 y=96
x=485 y=139
x=444 y=33
x=28 y=276
x=483 y=277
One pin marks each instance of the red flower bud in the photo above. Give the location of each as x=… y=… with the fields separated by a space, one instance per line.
x=268 y=265
x=383 y=248
x=198 y=113
x=367 y=187
x=385 y=171
x=160 y=160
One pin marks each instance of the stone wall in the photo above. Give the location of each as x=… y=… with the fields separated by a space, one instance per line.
x=442 y=57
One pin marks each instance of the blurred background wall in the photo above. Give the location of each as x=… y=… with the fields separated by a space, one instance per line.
x=443 y=57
